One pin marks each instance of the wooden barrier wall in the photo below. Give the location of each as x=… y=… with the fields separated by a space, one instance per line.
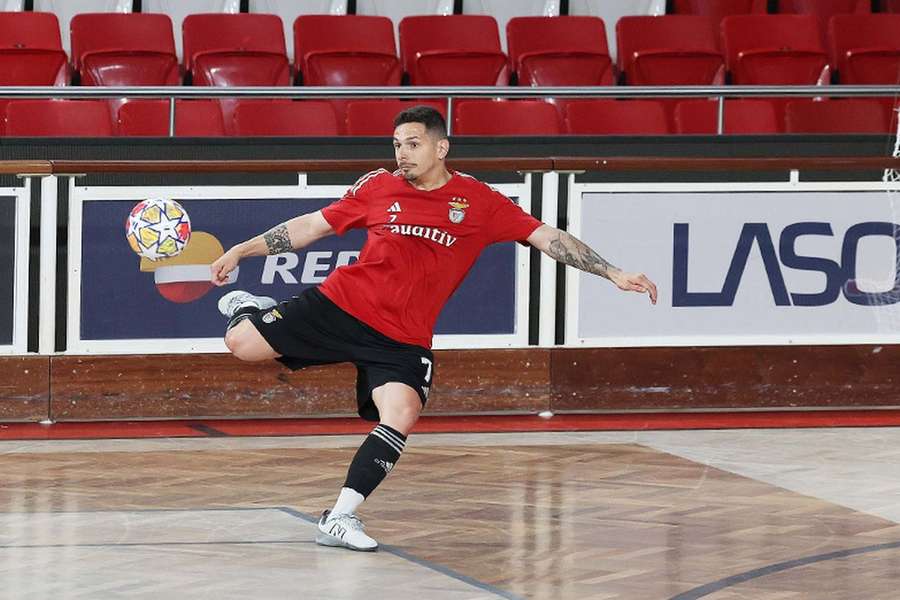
x=83 y=388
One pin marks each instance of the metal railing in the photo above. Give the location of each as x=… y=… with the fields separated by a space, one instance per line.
x=721 y=93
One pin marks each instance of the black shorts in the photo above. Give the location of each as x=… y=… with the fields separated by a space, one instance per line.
x=310 y=329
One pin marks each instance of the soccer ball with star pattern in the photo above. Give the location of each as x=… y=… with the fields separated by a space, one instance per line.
x=158 y=228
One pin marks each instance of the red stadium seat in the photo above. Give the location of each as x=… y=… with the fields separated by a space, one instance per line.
x=124 y=49
x=836 y=116
x=235 y=50
x=59 y=118
x=749 y=116
x=774 y=50
x=718 y=9
x=284 y=118
x=669 y=50
x=559 y=51
x=31 y=50
x=890 y=6
x=514 y=117
x=616 y=117
x=376 y=117
x=866 y=48
x=346 y=50
x=193 y=118
x=823 y=10
x=452 y=50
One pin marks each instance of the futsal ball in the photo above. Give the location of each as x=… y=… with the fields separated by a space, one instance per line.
x=158 y=228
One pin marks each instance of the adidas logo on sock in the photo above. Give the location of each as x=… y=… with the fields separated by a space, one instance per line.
x=387 y=466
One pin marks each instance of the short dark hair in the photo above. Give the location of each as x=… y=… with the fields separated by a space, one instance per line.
x=428 y=116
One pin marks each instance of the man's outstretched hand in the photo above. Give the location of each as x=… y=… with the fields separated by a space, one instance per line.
x=634 y=282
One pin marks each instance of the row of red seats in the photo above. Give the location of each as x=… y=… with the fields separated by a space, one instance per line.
x=249 y=50
x=470 y=117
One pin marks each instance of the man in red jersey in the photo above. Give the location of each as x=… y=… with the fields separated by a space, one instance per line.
x=426 y=227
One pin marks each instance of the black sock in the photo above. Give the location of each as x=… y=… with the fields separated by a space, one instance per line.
x=375 y=459
x=240 y=314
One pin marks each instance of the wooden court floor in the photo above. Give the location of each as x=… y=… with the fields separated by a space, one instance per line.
x=768 y=514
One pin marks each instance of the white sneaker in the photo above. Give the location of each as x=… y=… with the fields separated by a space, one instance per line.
x=345 y=531
x=232 y=301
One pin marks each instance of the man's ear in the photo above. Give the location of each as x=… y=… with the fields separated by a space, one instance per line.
x=443 y=148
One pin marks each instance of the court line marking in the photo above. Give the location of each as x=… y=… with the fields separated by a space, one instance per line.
x=716 y=586
x=447 y=571
x=401 y=554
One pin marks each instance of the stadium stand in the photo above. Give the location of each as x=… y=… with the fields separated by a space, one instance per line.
x=559 y=51
x=616 y=117
x=512 y=117
x=504 y=10
x=836 y=116
x=669 y=50
x=64 y=118
x=284 y=118
x=375 y=117
x=452 y=50
x=750 y=116
x=178 y=10
x=289 y=10
x=193 y=118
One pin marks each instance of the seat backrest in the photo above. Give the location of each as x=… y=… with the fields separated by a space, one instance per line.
x=850 y=115
x=66 y=9
x=124 y=49
x=397 y=11
x=193 y=118
x=284 y=118
x=504 y=10
x=613 y=10
x=289 y=10
x=890 y=6
x=773 y=49
x=452 y=50
x=376 y=117
x=31 y=50
x=179 y=9
x=346 y=50
x=865 y=49
x=742 y=116
x=717 y=9
x=538 y=43
x=514 y=117
x=669 y=50
x=58 y=118
x=235 y=49
x=616 y=117
x=823 y=10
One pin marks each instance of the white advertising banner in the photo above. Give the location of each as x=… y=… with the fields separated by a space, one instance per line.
x=739 y=264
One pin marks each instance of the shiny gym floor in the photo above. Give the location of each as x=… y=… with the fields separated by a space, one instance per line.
x=714 y=514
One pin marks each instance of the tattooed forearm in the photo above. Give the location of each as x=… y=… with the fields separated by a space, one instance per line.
x=277 y=239
x=570 y=250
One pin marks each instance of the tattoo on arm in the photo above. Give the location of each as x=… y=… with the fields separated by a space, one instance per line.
x=277 y=239
x=570 y=250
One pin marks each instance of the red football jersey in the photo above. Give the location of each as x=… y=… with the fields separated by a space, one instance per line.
x=420 y=246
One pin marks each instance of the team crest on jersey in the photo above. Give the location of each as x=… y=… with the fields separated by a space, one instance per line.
x=458 y=208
